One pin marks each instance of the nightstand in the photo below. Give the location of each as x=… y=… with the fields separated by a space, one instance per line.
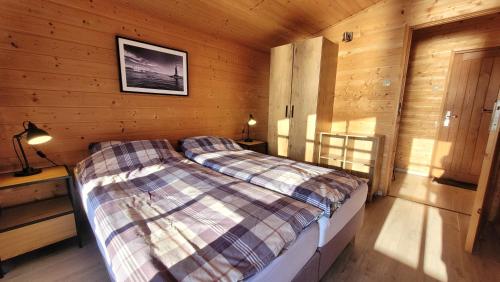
x=32 y=225
x=255 y=145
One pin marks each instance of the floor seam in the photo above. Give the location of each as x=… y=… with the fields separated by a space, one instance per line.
x=429 y=205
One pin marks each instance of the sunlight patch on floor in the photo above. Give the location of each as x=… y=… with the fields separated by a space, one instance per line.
x=407 y=249
x=420 y=244
x=424 y=190
x=417 y=190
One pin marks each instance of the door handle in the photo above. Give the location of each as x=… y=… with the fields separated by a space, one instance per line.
x=286 y=111
x=495 y=116
x=448 y=116
x=292 y=110
x=487 y=111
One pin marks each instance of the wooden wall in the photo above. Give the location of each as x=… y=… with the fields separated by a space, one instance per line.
x=58 y=68
x=426 y=82
x=370 y=72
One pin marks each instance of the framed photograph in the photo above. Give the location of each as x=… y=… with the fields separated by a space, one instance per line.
x=148 y=68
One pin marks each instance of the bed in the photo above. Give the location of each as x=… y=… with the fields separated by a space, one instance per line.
x=339 y=195
x=157 y=216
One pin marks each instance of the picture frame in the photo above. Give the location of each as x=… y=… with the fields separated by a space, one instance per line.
x=150 y=68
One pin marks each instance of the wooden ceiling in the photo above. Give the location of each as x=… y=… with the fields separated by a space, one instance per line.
x=259 y=24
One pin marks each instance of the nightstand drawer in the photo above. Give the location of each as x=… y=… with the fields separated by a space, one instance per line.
x=37 y=235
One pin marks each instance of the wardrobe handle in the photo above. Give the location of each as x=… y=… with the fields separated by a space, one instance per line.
x=286 y=111
x=292 y=110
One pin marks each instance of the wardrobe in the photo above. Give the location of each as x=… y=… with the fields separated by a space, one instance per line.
x=301 y=92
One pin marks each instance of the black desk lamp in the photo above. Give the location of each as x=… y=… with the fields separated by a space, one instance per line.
x=251 y=122
x=34 y=136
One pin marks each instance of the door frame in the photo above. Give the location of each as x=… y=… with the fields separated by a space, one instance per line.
x=484 y=181
x=479 y=199
x=407 y=42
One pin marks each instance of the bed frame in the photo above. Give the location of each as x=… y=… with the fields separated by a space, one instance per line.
x=325 y=256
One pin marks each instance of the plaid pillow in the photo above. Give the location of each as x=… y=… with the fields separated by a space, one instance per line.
x=97 y=146
x=124 y=157
x=204 y=144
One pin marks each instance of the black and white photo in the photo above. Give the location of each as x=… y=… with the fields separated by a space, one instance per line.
x=148 y=68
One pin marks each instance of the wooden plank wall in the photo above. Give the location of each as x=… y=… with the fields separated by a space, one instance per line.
x=426 y=83
x=363 y=103
x=58 y=69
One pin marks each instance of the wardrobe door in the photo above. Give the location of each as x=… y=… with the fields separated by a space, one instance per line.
x=305 y=82
x=280 y=83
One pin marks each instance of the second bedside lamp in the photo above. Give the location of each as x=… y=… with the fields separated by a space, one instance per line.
x=251 y=122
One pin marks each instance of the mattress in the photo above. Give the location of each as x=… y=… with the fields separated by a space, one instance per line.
x=286 y=266
x=321 y=187
x=283 y=268
x=292 y=260
x=329 y=227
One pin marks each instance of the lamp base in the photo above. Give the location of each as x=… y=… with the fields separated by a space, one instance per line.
x=27 y=172
x=248 y=140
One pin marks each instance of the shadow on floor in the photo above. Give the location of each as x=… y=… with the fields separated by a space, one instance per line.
x=407 y=241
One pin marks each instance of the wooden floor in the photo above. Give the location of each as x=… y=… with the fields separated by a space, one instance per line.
x=403 y=240
x=400 y=241
x=423 y=190
x=60 y=262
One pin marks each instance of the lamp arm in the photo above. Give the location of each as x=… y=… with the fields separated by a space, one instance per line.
x=25 y=127
x=18 y=139
x=20 y=135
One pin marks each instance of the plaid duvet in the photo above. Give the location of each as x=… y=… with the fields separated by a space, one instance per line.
x=160 y=217
x=321 y=187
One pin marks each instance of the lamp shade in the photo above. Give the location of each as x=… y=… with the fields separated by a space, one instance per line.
x=251 y=121
x=35 y=135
